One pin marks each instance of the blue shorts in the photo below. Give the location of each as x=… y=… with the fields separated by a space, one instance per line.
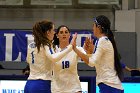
x=107 y=89
x=37 y=86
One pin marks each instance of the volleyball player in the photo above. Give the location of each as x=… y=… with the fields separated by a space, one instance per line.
x=41 y=55
x=105 y=57
x=65 y=74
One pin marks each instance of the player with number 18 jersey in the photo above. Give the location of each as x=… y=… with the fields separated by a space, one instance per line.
x=65 y=74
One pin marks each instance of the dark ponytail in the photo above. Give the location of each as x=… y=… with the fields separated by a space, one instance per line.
x=117 y=64
x=104 y=22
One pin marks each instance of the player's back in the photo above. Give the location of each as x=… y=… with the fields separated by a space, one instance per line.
x=40 y=65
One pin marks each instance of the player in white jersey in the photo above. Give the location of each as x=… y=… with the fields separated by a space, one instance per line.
x=65 y=74
x=105 y=57
x=41 y=55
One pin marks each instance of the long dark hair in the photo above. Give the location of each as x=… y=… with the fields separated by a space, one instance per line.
x=39 y=30
x=104 y=22
x=56 y=40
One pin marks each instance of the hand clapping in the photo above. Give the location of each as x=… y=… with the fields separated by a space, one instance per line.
x=88 y=45
x=73 y=41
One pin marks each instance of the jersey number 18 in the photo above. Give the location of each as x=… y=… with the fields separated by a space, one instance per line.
x=65 y=64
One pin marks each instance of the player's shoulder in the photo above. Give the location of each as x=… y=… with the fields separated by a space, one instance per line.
x=104 y=40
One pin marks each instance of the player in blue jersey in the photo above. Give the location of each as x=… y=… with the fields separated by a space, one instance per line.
x=65 y=74
x=41 y=56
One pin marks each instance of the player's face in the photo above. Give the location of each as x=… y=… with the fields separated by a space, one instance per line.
x=63 y=34
x=95 y=30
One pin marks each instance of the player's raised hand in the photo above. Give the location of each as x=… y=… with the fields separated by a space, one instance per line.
x=73 y=41
x=88 y=45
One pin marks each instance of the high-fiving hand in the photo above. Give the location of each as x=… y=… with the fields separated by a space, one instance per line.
x=73 y=41
x=88 y=45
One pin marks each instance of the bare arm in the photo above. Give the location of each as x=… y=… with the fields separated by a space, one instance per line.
x=127 y=68
x=130 y=69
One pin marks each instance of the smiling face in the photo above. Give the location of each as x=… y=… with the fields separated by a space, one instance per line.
x=63 y=34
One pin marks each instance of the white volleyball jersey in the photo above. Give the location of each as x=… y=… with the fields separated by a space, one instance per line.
x=103 y=60
x=65 y=74
x=41 y=62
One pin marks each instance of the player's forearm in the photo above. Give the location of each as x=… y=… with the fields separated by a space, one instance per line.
x=59 y=55
x=83 y=56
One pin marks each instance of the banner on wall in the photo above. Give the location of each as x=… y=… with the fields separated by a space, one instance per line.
x=13 y=43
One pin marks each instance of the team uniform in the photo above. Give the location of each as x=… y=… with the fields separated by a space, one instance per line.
x=65 y=74
x=39 y=80
x=103 y=60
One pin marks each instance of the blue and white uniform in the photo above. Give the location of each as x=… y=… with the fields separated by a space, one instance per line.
x=103 y=60
x=41 y=67
x=65 y=74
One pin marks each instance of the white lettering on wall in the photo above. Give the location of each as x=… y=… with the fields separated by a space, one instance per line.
x=30 y=38
x=19 y=57
x=9 y=41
